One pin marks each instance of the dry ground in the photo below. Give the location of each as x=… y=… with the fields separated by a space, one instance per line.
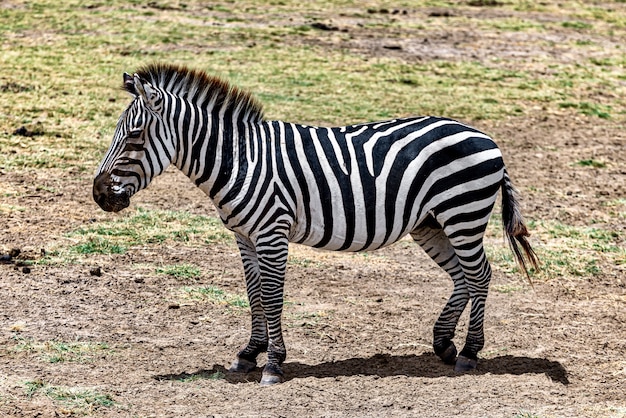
x=358 y=327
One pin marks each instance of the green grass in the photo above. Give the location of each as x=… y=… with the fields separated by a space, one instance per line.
x=180 y=271
x=564 y=251
x=577 y=25
x=305 y=319
x=98 y=245
x=213 y=295
x=194 y=377
x=76 y=400
x=591 y=163
x=63 y=62
x=578 y=251
x=65 y=80
x=139 y=228
x=589 y=109
x=157 y=226
x=61 y=351
x=298 y=261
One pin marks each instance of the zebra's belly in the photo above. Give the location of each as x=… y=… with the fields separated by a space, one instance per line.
x=339 y=243
x=350 y=234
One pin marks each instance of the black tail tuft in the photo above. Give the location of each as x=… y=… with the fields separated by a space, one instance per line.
x=515 y=228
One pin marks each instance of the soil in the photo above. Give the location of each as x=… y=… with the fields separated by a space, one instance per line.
x=358 y=328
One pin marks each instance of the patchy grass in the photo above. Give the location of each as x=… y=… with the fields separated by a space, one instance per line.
x=60 y=89
x=300 y=261
x=563 y=250
x=145 y=227
x=11 y=208
x=97 y=245
x=60 y=351
x=526 y=414
x=212 y=294
x=577 y=25
x=589 y=109
x=194 y=377
x=180 y=271
x=508 y=288
x=578 y=251
x=75 y=400
x=70 y=100
x=305 y=319
x=141 y=228
x=591 y=163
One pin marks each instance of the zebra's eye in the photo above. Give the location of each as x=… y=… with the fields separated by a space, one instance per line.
x=133 y=142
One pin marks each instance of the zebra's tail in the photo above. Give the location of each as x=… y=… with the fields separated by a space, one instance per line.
x=515 y=228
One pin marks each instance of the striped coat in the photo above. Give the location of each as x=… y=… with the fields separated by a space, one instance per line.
x=351 y=188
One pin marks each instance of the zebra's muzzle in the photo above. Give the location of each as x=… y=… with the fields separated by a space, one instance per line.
x=105 y=197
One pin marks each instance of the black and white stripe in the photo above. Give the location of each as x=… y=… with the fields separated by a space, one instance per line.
x=350 y=188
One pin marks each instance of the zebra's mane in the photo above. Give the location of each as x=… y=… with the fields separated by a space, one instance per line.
x=199 y=87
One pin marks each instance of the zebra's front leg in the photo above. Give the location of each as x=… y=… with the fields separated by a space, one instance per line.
x=246 y=358
x=272 y=251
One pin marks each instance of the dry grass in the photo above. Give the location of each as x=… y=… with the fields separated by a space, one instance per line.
x=310 y=62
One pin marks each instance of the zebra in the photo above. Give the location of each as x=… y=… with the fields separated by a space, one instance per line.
x=352 y=188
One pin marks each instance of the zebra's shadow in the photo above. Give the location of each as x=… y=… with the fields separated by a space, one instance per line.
x=386 y=365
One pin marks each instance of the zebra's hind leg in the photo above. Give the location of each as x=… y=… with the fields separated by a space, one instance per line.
x=478 y=275
x=246 y=358
x=434 y=241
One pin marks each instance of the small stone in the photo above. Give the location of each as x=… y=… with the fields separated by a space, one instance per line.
x=95 y=271
x=21 y=131
x=173 y=306
x=33 y=129
x=25 y=269
x=324 y=26
x=139 y=280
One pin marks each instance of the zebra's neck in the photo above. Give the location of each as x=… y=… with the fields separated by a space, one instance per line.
x=216 y=148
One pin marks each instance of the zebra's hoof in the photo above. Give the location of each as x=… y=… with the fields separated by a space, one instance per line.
x=272 y=374
x=241 y=365
x=271 y=379
x=464 y=364
x=448 y=355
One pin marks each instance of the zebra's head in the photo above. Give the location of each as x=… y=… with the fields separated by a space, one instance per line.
x=142 y=147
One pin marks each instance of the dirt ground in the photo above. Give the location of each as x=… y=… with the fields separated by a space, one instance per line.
x=358 y=328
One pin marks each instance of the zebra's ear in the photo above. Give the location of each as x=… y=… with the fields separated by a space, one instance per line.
x=129 y=85
x=145 y=90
